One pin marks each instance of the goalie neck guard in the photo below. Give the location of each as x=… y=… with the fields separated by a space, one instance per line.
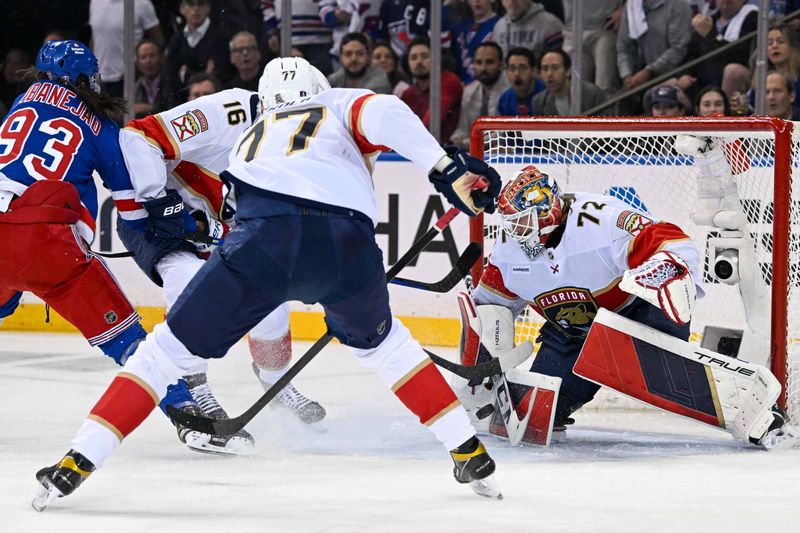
x=530 y=208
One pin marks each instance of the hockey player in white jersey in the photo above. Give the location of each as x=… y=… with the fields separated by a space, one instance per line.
x=174 y=159
x=570 y=256
x=306 y=214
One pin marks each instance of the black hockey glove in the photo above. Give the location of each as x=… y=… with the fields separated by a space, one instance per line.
x=167 y=218
x=457 y=181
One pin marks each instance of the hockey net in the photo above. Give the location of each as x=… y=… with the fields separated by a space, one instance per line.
x=634 y=160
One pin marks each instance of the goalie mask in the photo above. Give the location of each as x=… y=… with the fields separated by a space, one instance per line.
x=530 y=208
x=289 y=78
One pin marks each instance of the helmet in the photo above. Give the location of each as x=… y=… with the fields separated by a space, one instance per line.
x=530 y=208
x=68 y=61
x=288 y=78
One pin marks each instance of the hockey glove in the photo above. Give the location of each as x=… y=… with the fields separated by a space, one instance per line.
x=663 y=280
x=167 y=219
x=458 y=179
x=209 y=232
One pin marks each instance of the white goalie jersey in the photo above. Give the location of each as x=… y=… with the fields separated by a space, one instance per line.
x=322 y=148
x=186 y=147
x=567 y=284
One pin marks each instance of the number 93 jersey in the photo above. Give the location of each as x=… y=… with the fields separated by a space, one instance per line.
x=50 y=134
x=322 y=148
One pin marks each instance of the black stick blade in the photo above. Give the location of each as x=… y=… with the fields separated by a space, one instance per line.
x=202 y=424
x=471 y=254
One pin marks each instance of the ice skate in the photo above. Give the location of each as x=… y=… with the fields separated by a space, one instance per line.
x=61 y=479
x=474 y=466
x=213 y=444
x=780 y=434
x=293 y=400
x=240 y=443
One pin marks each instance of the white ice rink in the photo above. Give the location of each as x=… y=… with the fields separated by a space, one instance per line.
x=374 y=468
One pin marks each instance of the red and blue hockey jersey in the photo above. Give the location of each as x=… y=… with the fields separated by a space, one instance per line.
x=50 y=134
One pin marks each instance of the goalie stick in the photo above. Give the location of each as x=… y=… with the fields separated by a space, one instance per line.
x=461 y=268
x=232 y=425
x=495 y=367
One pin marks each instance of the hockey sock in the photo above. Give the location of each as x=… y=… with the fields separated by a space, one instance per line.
x=402 y=365
x=272 y=356
x=123 y=345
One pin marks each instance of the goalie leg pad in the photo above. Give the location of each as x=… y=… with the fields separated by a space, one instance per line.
x=486 y=331
x=531 y=419
x=679 y=377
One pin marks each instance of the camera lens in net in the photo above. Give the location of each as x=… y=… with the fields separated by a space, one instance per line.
x=723 y=269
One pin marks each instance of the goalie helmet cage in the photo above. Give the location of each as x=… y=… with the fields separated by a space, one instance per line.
x=634 y=160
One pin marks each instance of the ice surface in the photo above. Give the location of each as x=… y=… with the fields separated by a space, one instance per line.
x=373 y=469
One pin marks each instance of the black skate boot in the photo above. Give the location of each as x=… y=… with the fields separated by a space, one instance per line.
x=474 y=466
x=239 y=443
x=198 y=441
x=61 y=479
x=780 y=433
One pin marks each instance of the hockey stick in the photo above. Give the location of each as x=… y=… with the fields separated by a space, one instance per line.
x=461 y=269
x=495 y=367
x=232 y=425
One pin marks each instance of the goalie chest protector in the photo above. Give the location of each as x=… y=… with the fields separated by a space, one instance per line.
x=568 y=283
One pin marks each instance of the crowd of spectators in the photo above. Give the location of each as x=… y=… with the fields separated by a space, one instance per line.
x=499 y=57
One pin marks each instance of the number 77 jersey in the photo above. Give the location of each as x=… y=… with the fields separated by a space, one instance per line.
x=321 y=149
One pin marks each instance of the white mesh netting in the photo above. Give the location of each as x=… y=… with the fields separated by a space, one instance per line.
x=642 y=169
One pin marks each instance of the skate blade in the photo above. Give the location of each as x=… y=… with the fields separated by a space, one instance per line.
x=45 y=495
x=487 y=487
x=202 y=443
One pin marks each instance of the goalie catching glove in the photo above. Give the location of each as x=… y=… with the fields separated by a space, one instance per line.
x=663 y=280
x=456 y=177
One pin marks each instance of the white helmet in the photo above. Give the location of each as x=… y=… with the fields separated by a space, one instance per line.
x=288 y=78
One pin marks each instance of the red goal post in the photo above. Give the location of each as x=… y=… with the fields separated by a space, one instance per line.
x=633 y=159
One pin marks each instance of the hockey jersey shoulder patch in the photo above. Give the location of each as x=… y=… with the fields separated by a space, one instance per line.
x=632 y=222
x=189 y=124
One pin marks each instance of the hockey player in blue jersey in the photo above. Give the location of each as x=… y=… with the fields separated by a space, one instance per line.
x=306 y=213
x=56 y=135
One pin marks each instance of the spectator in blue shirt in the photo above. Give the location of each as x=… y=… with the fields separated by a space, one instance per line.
x=517 y=100
x=470 y=33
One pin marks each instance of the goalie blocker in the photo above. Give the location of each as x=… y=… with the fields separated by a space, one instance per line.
x=682 y=378
x=488 y=332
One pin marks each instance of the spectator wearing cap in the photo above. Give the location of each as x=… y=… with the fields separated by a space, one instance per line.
x=356 y=71
x=528 y=24
x=481 y=96
x=202 y=45
x=668 y=101
x=107 y=22
x=554 y=69
x=517 y=100
x=417 y=96
x=246 y=58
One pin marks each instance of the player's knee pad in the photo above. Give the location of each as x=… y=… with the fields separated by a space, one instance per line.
x=271 y=354
x=123 y=345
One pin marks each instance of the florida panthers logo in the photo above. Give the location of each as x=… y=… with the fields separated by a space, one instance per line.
x=570 y=309
x=189 y=124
